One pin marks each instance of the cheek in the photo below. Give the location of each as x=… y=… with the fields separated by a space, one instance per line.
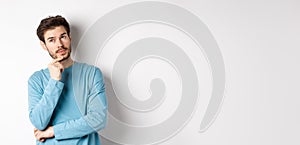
x=66 y=41
x=67 y=44
x=51 y=50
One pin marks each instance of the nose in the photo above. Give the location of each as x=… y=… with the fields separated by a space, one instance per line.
x=59 y=43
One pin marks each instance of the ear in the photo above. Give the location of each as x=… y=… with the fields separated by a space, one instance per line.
x=43 y=45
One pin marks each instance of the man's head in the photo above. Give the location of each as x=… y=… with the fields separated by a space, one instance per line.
x=54 y=35
x=50 y=23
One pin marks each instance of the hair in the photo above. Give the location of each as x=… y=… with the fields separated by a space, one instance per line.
x=50 y=23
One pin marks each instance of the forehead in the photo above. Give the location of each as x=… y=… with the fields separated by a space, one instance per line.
x=56 y=31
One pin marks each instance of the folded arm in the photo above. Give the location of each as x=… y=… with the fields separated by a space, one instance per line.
x=42 y=101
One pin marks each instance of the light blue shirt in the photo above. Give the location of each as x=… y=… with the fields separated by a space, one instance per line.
x=75 y=106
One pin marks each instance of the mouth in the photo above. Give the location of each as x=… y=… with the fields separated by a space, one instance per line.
x=61 y=51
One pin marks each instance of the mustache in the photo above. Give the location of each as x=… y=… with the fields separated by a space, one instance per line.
x=62 y=48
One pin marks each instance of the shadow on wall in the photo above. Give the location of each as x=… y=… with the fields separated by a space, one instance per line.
x=75 y=35
x=141 y=56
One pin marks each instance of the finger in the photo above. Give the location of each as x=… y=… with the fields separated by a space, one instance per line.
x=60 y=67
x=38 y=137
x=36 y=133
x=58 y=59
x=42 y=140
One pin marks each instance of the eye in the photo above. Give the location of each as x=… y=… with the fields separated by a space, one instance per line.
x=51 y=40
x=63 y=37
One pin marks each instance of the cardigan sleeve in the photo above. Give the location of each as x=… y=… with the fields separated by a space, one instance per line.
x=42 y=101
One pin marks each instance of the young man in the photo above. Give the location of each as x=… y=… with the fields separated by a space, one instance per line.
x=67 y=101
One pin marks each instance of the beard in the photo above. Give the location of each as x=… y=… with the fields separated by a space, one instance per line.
x=66 y=56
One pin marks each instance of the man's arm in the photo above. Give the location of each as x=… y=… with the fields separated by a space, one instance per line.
x=95 y=117
x=42 y=102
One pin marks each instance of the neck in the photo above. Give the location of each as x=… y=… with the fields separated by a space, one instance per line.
x=67 y=63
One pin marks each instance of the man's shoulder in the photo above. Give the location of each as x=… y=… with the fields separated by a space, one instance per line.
x=84 y=69
x=85 y=66
x=82 y=64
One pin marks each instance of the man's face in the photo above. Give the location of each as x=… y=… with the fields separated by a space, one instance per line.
x=57 y=43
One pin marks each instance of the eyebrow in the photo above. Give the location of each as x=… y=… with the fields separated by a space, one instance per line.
x=63 y=34
x=60 y=35
x=50 y=38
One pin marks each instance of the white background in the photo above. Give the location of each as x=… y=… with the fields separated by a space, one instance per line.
x=259 y=40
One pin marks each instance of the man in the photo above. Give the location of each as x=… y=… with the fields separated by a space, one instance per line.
x=67 y=101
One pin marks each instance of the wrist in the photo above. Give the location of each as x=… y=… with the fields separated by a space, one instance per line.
x=51 y=131
x=55 y=78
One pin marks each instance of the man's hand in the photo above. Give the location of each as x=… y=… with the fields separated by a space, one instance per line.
x=43 y=135
x=56 y=68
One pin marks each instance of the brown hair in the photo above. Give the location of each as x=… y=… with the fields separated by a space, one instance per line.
x=50 y=23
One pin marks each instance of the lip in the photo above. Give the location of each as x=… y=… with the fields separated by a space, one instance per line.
x=61 y=51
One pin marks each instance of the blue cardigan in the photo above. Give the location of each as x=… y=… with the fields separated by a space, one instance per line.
x=75 y=106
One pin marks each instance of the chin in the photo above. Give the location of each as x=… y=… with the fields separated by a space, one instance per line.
x=65 y=57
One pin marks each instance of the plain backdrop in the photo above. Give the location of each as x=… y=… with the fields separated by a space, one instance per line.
x=259 y=41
